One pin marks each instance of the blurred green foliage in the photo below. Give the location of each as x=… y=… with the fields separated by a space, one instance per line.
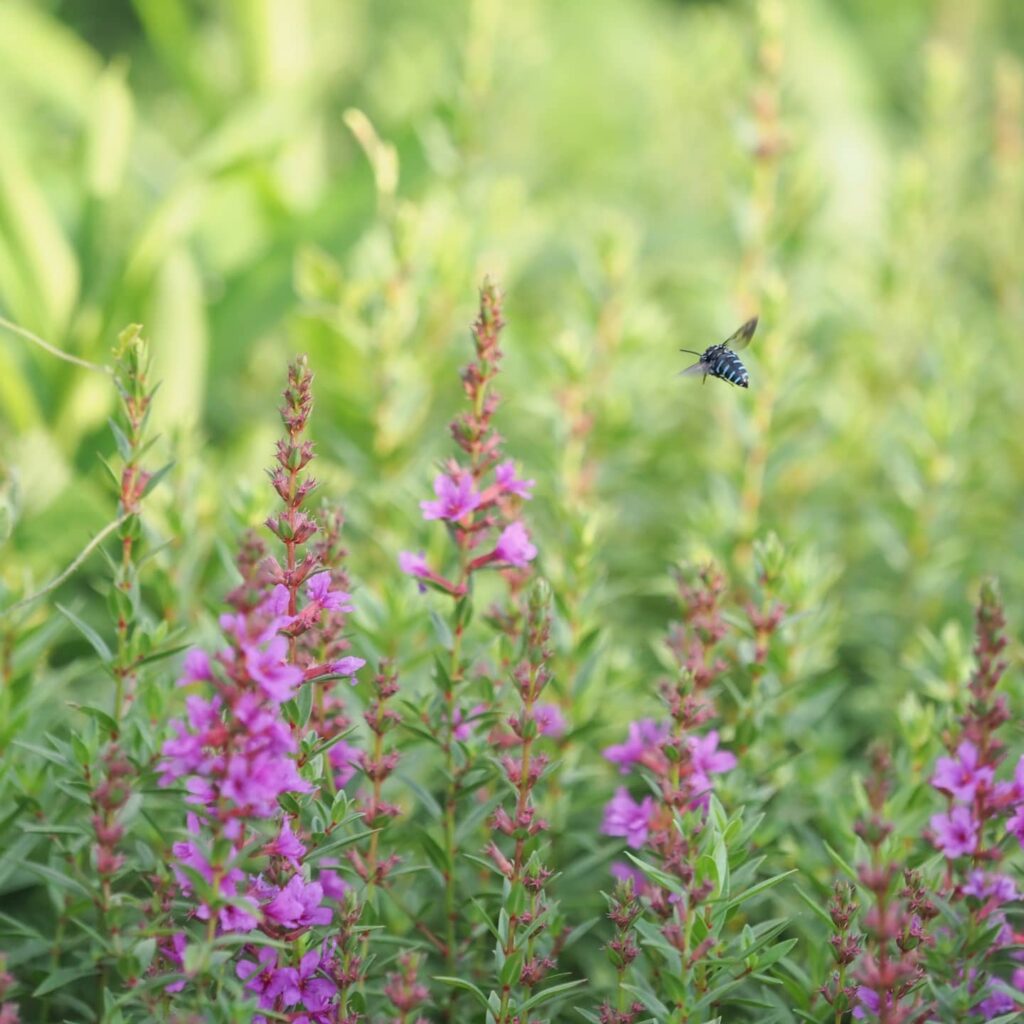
x=265 y=176
x=259 y=177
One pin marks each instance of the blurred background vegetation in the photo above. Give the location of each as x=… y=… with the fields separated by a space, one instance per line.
x=256 y=178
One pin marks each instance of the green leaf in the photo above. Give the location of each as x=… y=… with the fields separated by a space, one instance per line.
x=435 y=854
x=775 y=953
x=155 y=479
x=843 y=865
x=95 y=640
x=486 y=918
x=756 y=890
x=441 y=630
x=339 y=844
x=102 y=717
x=64 y=976
x=649 y=999
x=511 y=969
x=548 y=994
x=304 y=704
x=166 y=652
x=466 y=986
x=816 y=907
x=663 y=879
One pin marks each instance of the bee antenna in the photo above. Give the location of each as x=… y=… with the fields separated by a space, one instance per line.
x=690 y=350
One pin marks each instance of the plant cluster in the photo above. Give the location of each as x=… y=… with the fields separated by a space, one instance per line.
x=266 y=854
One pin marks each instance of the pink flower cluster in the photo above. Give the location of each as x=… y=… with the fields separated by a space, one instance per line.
x=975 y=797
x=624 y=816
x=237 y=757
x=474 y=515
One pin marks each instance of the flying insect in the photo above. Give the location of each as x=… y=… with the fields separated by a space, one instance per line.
x=721 y=360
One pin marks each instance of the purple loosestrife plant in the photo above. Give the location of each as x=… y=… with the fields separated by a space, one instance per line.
x=244 y=865
x=99 y=856
x=980 y=824
x=890 y=968
x=840 y=992
x=479 y=498
x=111 y=776
x=405 y=991
x=528 y=929
x=686 y=856
x=624 y=908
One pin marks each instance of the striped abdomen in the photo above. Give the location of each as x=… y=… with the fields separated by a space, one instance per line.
x=725 y=364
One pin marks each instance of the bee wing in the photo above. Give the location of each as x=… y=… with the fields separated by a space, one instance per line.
x=741 y=339
x=693 y=371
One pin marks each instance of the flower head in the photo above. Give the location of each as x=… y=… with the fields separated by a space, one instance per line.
x=960 y=776
x=509 y=483
x=297 y=905
x=456 y=498
x=413 y=565
x=514 y=546
x=318 y=590
x=268 y=667
x=550 y=720
x=983 y=886
x=1015 y=824
x=623 y=816
x=705 y=756
x=956 y=833
x=643 y=737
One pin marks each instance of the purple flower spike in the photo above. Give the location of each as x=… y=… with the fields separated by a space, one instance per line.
x=514 y=546
x=956 y=833
x=623 y=816
x=455 y=498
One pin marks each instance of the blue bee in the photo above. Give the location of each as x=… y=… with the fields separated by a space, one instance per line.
x=721 y=360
